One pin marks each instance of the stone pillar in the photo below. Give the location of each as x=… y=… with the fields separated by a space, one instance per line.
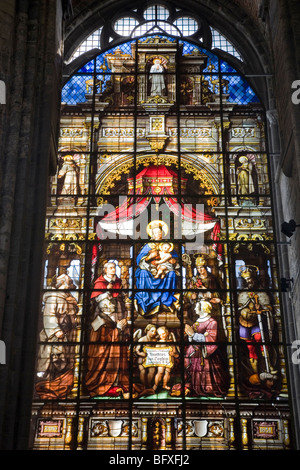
x=285 y=171
x=33 y=64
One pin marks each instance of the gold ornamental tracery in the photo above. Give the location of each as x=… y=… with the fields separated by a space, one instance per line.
x=113 y=173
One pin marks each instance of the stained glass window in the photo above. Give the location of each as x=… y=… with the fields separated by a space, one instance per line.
x=160 y=323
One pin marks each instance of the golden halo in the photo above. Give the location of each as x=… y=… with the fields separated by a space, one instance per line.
x=157 y=223
x=243 y=159
x=169 y=243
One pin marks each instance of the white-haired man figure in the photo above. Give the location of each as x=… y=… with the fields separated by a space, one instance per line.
x=57 y=351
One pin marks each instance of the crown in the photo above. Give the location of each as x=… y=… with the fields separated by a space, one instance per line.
x=157 y=224
x=248 y=271
x=200 y=261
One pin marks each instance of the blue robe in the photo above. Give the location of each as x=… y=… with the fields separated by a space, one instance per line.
x=152 y=293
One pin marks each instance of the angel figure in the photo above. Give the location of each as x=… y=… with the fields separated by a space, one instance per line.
x=146 y=374
x=164 y=371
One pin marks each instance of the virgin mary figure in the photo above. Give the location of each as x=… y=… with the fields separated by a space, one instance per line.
x=155 y=292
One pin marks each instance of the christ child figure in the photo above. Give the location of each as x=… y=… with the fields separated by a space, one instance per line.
x=162 y=259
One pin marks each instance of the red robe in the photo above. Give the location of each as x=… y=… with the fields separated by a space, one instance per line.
x=101 y=283
x=107 y=359
x=205 y=369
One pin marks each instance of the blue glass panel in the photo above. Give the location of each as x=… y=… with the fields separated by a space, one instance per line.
x=75 y=89
x=239 y=90
x=213 y=61
x=101 y=61
x=227 y=68
x=87 y=68
x=213 y=82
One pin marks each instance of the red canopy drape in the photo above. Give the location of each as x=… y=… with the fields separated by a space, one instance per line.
x=154 y=183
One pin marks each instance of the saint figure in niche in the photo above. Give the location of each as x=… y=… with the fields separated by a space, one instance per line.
x=257 y=330
x=157 y=79
x=244 y=177
x=68 y=175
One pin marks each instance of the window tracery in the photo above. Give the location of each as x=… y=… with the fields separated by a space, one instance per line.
x=157 y=19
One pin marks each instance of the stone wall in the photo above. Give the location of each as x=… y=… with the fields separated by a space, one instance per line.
x=31 y=58
x=251 y=7
x=283 y=24
x=7 y=18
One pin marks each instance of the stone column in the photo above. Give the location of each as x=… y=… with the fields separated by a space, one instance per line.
x=28 y=147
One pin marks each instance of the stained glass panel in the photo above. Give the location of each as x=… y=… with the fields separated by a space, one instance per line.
x=160 y=317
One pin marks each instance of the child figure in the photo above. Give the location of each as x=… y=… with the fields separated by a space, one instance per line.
x=164 y=372
x=162 y=259
x=146 y=374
